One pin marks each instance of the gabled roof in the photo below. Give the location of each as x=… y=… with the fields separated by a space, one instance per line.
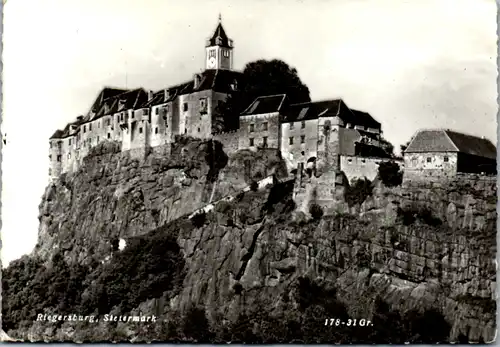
x=329 y=108
x=266 y=104
x=57 y=134
x=216 y=80
x=363 y=118
x=444 y=140
x=219 y=32
x=311 y=110
x=106 y=92
x=124 y=101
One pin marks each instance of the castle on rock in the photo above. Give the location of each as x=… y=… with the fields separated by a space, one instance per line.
x=326 y=131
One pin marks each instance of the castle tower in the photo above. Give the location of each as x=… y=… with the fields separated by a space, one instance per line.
x=219 y=50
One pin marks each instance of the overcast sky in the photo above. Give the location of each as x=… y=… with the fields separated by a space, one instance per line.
x=411 y=64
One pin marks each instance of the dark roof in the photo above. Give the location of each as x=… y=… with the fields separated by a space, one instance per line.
x=310 y=110
x=363 y=118
x=106 y=92
x=116 y=103
x=224 y=40
x=441 y=140
x=217 y=80
x=57 y=134
x=329 y=108
x=265 y=104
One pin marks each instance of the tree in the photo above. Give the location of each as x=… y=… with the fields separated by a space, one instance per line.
x=404 y=147
x=260 y=78
x=390 y=174
x=387 y=147
x=316 y=211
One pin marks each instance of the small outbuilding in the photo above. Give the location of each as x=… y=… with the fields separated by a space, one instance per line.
x=445 y=153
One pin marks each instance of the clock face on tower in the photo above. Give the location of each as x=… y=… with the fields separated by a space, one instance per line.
x=211 y=62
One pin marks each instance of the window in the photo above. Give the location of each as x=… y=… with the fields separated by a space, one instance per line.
x=303 y=124
x=132 y=113
x=251 y=142
x=109 y=135
x=156 y=110
x=69 y=155
x=99 y=125
x=59 y=158
x=50 y=157
x=211 y=53
x=302 y=139
x=252 y=128
x=121 y=117
x=203 y=105
x=264 y=126
x=140 y=130
x=84 y=128
x=185 y=131
x=156 y=130
x=146 y=112
x=303 y=153
x=225 y=53
x=264 y=141
x=428 y=159
x=445 y=159
x=199 y=129
x=185 y=107
x=90 y=127
x=107 y=122
x=59 y=144
x=70 y=142
x=291 y=125
x=97 y=139
x=290 y=140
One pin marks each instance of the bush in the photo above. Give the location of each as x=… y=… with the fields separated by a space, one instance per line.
x=390 y=174
x=424 y=214
x=316 y=211
x=195 y=325
x=199 y=219
x=254 y=186
x=359 y=190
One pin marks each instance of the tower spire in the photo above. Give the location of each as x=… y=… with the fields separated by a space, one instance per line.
x=220 y=18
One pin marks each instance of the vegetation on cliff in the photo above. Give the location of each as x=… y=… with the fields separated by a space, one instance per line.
x=254 y=269
x=147 y=268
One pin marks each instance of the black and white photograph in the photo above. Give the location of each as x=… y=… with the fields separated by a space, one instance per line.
x=249 y=172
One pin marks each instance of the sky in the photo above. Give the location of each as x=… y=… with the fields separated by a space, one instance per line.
x=411 y=64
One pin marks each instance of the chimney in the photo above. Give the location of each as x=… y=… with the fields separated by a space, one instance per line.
x=150 y=95
x=166 y=94
x=197 y=79
x=79 y=118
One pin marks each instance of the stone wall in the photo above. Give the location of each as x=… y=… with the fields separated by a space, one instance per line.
x=355 y=167
x=257 y=127
x=421 y=166
x=230 y=140
x=299 y=141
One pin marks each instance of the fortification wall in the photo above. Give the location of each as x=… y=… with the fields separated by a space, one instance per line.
x=355 y=167
x=229 y=140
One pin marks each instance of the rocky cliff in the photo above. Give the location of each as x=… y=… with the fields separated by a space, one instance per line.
x=256 y=260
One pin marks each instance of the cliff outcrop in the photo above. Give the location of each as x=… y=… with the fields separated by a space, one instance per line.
x=256 y=265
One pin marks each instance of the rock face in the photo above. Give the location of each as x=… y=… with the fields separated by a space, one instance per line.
x=115 y=195
x=244 y=256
